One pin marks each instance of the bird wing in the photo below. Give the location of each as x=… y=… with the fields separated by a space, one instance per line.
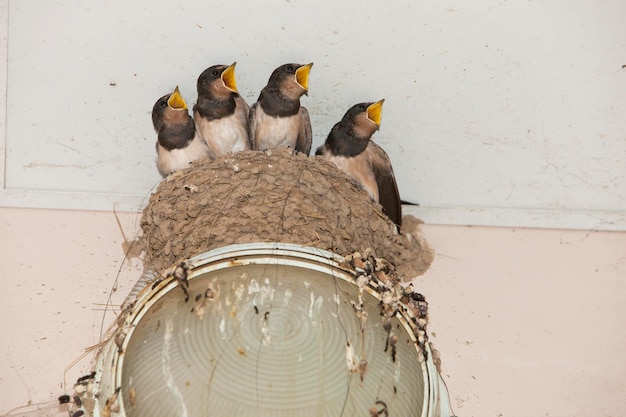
x=202 y=127
x=252 y=125
x=243 y=107
x=305 y=135
x=241 y=103
x=388 y=195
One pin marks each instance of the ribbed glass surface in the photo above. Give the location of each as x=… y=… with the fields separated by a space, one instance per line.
x=272 y=340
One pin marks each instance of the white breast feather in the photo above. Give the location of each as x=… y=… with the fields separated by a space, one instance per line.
x=359 y=169
x=276 y=132
x=170 y=161
x=225 y=135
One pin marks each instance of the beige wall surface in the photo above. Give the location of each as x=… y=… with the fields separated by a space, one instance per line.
x=529 y=322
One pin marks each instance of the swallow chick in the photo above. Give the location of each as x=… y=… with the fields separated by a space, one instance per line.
x=221 y=114
x=177 y=142
x=348 y=146
x=277 y=119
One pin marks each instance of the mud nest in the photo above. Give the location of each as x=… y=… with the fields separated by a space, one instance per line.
x=273 y=196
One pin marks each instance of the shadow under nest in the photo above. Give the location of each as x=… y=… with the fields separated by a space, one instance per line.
x=273 y=196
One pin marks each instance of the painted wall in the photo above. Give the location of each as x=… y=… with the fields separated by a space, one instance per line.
x=496 y=112
x=529 y=322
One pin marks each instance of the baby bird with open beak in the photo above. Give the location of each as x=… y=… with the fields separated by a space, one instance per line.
x=277 y=119
x=178 y=144
x=349 y=146
x=221 y=114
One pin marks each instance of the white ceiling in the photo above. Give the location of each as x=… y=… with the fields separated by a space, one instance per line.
x=496 y=112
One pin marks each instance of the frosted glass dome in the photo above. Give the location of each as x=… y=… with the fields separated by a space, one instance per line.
x=265 y=330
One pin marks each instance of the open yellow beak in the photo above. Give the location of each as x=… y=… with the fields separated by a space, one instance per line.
x=375 y=111
x=176 y=100
x=228 y=77
x=302 y=76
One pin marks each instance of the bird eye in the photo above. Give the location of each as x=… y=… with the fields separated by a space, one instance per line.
x=164 y=103
x=362 y=107
x=290 y=68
